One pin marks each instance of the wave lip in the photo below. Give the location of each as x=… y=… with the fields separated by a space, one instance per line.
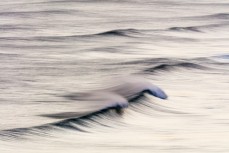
x=127 y=87
x=135 y=87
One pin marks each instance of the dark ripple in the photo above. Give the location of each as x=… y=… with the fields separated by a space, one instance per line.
x=199 y=28
x=192 y=29
x=15 y=27
x=169 y=67
x=33 y=13
x=119 y=32
x=217 y=16
x=111 y=33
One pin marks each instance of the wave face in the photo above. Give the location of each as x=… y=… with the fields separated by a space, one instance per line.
x=92 y=76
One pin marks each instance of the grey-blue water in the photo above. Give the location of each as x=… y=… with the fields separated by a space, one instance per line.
x=94 y=76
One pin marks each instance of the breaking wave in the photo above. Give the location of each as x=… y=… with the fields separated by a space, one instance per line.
x=125 y=90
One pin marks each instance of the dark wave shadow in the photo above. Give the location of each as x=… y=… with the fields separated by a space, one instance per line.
x=69 y=123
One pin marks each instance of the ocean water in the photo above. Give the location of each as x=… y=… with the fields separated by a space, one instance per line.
x=114 y=76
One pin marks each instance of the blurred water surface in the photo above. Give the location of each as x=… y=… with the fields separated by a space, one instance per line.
x=50 y=49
